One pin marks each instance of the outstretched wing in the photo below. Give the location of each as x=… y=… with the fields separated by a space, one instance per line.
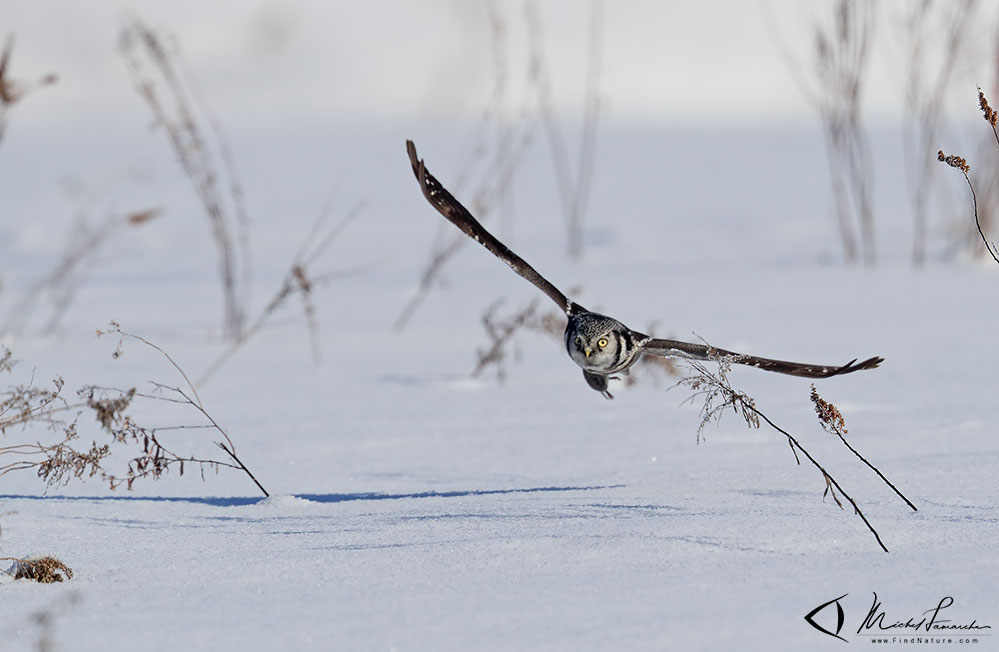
x=458 y=215
x=680 y=349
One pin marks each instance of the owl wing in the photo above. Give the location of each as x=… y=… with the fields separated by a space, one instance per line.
x=667 y=348
x=451 y=208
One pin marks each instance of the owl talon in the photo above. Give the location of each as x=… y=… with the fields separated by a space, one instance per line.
x=607 y=394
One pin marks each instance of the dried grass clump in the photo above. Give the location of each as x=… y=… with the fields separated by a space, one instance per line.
x=717 y=396
x=61 y=462
x=109 y=410
x=45 y=570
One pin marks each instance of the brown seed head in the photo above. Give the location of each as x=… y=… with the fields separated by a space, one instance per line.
x=829 y=414
x=953 y=161
x=987 y=111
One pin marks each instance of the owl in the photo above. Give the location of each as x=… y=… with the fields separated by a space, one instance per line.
x=601 y=345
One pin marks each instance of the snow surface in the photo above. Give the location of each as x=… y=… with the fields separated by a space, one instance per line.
x=414 y=508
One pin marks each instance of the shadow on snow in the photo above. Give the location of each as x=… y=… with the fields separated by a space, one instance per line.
x=239 y=501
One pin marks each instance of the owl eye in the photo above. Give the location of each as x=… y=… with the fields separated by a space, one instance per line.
x=578 y=340
x=602 y=342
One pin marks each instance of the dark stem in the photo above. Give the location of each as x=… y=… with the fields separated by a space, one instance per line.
x=876 y=470
x=974 y=200
x=231 y=454
x=829 y=478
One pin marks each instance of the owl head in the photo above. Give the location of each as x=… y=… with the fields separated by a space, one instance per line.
x=594 y=342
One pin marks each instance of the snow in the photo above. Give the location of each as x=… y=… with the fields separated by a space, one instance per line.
x=414 y=508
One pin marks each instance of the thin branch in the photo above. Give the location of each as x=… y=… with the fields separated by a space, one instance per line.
x=298 y=280
x=718 y=395
x=825 y=474
x=116 y=329
x=962 y=166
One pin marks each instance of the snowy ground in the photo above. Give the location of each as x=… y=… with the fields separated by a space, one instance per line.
x=416 y=509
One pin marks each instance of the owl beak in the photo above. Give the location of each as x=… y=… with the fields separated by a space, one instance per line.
x=587 y=351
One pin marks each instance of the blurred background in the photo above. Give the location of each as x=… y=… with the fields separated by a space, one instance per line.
x=597 y=132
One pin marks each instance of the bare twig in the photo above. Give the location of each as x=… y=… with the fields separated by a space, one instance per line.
x=834 y=84
x=12 y=92
x=962 y=165
x=574 y=194
x=717 y=395
x=832 y=421
x=298 y=280
x=500 y=334
x=153 y=69
x=115 y=329
x=60 y=285
x=195 y=402
x=61 y=462
x=498 y=145
x=929 y=26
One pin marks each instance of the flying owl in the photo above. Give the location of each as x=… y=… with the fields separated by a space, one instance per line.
x=602 y=345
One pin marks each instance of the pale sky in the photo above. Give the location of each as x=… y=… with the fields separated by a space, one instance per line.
x=261 y=60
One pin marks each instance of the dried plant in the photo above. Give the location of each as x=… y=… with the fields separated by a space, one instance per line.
x=573 y=193
x=45 y=570
x=156 y=458
x=299 y=280
x=12 y=92
x=179 y=110
x=832 y=421
x=834 y=83
x=935 y=32
x=59 y=287
x=501 y=139
x=114 y=410
x=958 y=163
x=717 y=396
x=44 y=620
x=500 y=332
x=504 y=135
x=26 y=403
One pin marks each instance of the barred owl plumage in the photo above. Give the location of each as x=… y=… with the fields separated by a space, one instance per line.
x=601 y=345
